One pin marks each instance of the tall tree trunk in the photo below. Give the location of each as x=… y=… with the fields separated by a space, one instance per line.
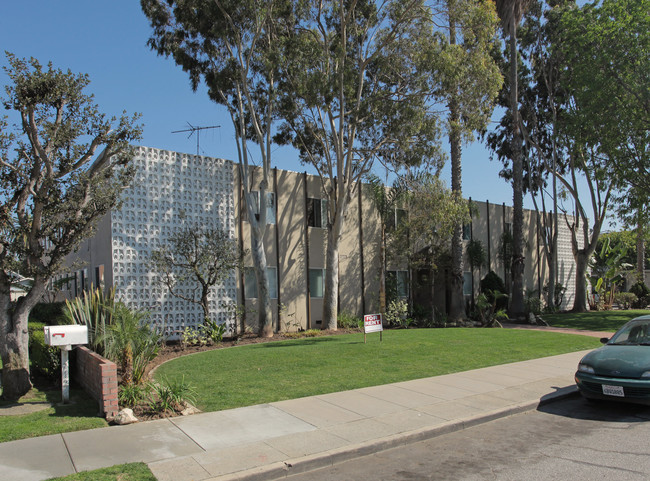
x=552 y=274
x=432 y=302
x=582 y=263
x=640 y=251
x=334 y=230
x=457 y=298
x=382 y=270
x=330 y=298
x=517 y=269
x=264 y=309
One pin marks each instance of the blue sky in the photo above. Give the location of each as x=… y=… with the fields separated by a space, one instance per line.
x=107 y=40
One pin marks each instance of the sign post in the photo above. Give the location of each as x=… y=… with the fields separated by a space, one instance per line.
x=372 y=323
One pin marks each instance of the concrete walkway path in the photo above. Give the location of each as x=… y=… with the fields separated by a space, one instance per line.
x=274 y=440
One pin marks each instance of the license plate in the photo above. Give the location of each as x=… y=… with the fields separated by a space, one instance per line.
x=613 y=390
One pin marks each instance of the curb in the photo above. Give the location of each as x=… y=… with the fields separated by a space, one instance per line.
x=283 y=469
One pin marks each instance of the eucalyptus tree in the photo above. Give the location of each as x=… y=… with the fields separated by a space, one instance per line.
x=55 y=188
x=467 y=80
x=234 y=46
x=511 y=12
x=355 y=89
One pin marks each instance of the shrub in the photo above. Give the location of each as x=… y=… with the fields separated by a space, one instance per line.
x=346 y=320
x=169 y=396
x=532 y=303
x=49 y=313
x=45 y=360
x=642 y=293
x=397 y=314
x=640 y=289
x=133 y=394
x=625 y=299
x=493 y=283
x=558 y=296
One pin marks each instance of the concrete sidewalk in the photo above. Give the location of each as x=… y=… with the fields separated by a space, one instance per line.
x=274 y=440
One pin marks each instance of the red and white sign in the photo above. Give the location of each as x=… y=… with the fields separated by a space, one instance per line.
x=372 y=323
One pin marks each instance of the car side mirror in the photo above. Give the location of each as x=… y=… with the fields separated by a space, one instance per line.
x=604 y=340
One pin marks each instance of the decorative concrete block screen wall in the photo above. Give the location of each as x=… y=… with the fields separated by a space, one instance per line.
x=98 y=377
x=169 y=190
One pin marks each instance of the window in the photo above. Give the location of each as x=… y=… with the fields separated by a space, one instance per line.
x=396 y=218
x=467 y=283
x=270 y=206
x=316 y=283
x=467 y=231
x=397 y=282
x=250 y=282
x=317 y=212
x=508 y=227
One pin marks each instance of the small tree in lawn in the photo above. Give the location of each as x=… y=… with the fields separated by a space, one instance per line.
x=203 y=256
x=53 y=193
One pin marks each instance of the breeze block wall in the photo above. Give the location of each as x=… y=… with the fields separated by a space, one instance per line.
x=168 y=190
x=98 y=376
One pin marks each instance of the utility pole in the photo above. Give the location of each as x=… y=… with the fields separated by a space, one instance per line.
x=193 y=129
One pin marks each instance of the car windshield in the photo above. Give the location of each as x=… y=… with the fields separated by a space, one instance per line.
x=635 y=333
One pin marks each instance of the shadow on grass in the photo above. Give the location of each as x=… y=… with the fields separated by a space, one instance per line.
x=81 y=405
x=594 y=320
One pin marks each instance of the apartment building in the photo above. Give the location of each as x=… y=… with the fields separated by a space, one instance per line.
x=207 y=191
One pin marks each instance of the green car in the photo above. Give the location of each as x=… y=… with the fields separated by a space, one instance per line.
x=620 y=370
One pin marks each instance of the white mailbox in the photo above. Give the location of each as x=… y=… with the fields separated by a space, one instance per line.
x=66 y=335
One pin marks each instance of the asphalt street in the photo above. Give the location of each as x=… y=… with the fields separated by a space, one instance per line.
x=570 y=439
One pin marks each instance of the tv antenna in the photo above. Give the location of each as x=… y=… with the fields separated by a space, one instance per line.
x=198 y=130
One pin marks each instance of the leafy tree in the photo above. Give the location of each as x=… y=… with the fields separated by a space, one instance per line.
x=606 y=43
x=469 y=81
x=54 y=189
x=199 y=255
x=623 y=243
x=354 y=89
x=235 y=47
x=559 y=143
x=632 y=209
x=433 y=213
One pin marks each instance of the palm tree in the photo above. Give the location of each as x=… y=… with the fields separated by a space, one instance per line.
x=510 y=13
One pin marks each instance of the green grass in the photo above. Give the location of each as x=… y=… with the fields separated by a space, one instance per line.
x=80 y=414
x=121 y=472
x=594 y=320
x=261 y=373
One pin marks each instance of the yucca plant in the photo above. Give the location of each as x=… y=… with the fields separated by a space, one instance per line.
x=95 y=310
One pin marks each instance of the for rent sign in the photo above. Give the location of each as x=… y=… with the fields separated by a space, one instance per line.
x=372 y=323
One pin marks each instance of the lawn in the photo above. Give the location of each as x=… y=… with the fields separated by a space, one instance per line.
x=80 y=414
x=261 y=373
x=594 y=320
